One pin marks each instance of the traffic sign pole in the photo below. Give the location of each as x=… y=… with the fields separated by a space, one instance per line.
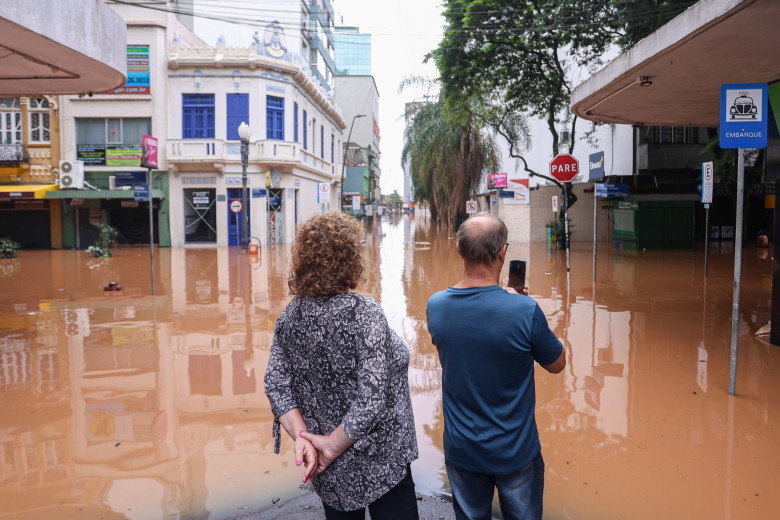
x=563 y=168
x=744 y=116
x=737 y=270
x=595 y=227
x=151 y=222
x=706 y=237
x=566 y=238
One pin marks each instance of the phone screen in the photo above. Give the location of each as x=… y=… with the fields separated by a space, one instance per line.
x=517 y=275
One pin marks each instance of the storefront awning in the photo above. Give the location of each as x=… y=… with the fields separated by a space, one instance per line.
x=99 y=194
x=61 y=47
x=673 y=77
x=26 y=191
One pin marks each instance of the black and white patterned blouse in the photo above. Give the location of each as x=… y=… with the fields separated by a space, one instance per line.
x=338 y=361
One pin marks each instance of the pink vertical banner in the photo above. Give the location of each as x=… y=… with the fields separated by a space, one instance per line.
x=148 y=151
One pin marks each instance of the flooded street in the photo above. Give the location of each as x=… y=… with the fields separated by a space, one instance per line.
x=124 y=405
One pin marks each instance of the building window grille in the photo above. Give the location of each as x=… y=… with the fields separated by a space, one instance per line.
x=39 y=120
x=10 y=121
x=197 y=116
x=675 y=135
x=274 y=107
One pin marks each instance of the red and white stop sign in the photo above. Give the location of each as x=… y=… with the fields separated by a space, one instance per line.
x=564 y=167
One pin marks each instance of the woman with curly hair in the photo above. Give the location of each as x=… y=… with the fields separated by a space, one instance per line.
x=337 y=379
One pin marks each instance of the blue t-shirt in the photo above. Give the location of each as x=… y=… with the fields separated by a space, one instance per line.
x=488 y=340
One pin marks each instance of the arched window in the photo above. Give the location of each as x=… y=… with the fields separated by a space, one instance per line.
x=39 y=120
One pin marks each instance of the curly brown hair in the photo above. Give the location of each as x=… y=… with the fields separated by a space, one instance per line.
x=327 y=255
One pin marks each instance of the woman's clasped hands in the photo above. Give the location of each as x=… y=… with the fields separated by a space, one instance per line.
x=317 y=452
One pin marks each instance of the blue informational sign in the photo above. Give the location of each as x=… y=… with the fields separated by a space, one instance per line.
x=604 y=190
x=596 y=166
x=744 y=115
x=258 y=193
x=129 y=178
x=141 y=193
x=506 y=194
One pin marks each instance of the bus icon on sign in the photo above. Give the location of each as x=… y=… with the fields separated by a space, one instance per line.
x=743 y=108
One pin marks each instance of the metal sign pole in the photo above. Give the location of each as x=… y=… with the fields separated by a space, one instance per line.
x=706 y=237
x=151 y=221
x=737 y=269
x=566 y=237
x=595 y=218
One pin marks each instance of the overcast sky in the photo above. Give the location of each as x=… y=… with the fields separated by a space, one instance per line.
x=403 y=31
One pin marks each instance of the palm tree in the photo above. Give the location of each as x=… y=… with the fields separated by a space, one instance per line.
x=447 y=159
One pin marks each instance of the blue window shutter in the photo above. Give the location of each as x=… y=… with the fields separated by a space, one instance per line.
x=274 y=110
x=237 y=113
x=209 y=132
x=305 y=132
x=332 y=146
x=197 y=116
x=186 y=118
x=322 y=141
x=295 y=122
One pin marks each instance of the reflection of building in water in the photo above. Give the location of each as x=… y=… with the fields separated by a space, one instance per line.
x=597 y=344
x=34 y=383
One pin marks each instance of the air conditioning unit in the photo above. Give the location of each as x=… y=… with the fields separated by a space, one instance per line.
x=112 y=182
x=71 y=175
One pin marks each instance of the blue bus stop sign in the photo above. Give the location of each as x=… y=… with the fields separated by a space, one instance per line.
x=743 y=115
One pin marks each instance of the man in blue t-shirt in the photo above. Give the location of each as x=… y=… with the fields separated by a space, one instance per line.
x=488 y=338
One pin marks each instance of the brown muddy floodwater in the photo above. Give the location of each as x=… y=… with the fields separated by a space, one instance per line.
x=124 y=405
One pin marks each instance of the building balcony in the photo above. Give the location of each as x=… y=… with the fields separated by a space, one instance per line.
x=184 y=151
x=12 y=153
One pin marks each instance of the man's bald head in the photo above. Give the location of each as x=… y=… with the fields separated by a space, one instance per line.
x=480 y=239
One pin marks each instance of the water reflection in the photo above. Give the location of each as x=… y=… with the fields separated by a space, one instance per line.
x=131 y=406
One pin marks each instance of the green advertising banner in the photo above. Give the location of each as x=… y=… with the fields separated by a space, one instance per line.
x=123 y=155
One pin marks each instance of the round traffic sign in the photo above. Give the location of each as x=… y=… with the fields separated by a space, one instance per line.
x=236 y=206
x=708 y=171
x=564 y=167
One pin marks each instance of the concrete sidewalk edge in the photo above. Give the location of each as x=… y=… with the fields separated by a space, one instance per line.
x=309 y=507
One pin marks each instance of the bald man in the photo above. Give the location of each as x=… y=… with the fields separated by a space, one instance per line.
x=488 y=339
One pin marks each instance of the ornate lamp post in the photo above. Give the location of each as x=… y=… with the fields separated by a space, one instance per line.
x=244 y=133
x=344 y=161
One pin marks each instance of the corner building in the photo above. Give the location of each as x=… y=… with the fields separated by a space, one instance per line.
x=295 y=134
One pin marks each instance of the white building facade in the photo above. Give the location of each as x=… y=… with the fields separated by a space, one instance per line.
x=296 y=134
x=103 y=131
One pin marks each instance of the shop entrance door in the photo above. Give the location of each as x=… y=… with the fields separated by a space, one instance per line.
x=236 y=220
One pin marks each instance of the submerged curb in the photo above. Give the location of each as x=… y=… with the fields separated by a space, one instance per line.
x=309 y=507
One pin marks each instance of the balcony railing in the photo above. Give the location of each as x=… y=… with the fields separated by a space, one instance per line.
x=267 y=151
x=13 y=152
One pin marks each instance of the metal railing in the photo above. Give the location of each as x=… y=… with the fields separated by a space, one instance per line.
x=11 y=152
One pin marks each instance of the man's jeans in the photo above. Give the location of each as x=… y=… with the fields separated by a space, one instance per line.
x=520 y=494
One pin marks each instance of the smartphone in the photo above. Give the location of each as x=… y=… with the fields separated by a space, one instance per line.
x=517 y=275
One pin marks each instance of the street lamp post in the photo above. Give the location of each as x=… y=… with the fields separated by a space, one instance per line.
x=344 y=161
x=244 y=133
